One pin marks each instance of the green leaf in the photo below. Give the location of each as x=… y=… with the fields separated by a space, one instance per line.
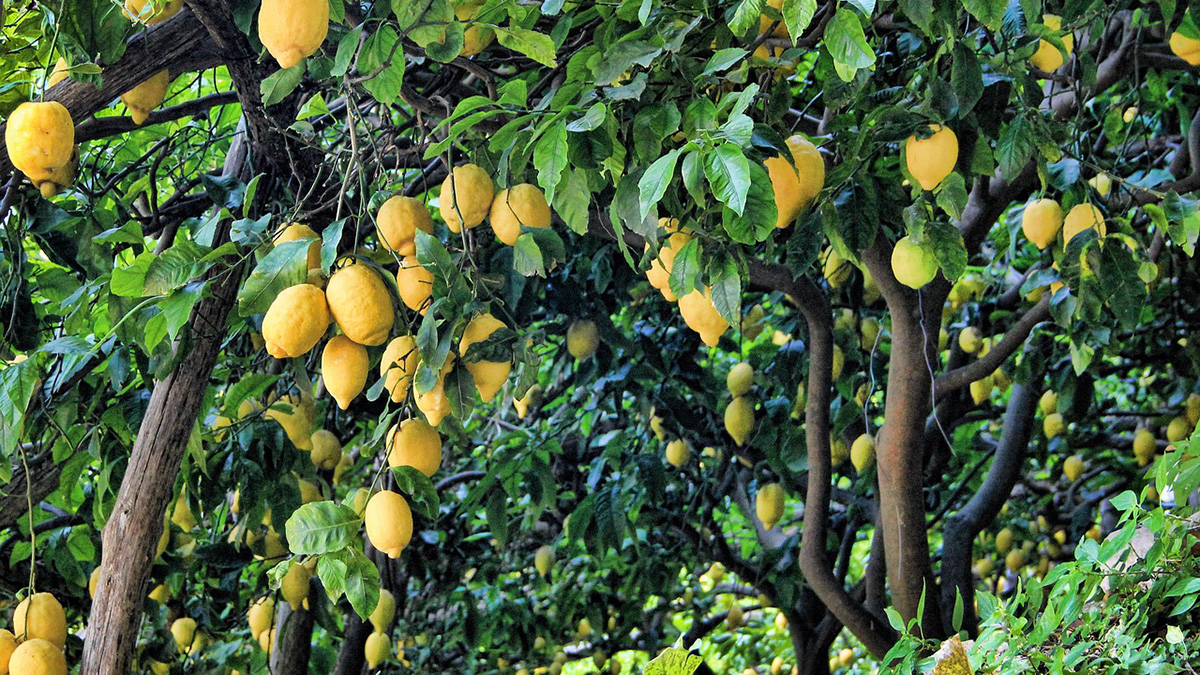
x=382 y=61
x=1182 y=221
x=846 y=42
x=182 y=263
x=920 y=12
x=722 y=59
x=673 y=661
x=685 y=269
x=331 y=570
x=550 y=157
x=952 y=195
x=1015 y=147
x=727 y=291
x=746 y=15
x=621 y=57
x=276 y=86
x=626 y=210
x=797 y=15
x=362 y=583
x=653 y=184
x=420 y=490
x=693 y=176
x=590 y=120
x=448 y=281
x=527 y=257
x=286 y=265
x=947 y=244
x=322 y=527
x=572 y=201
x=757 y=220
x=130 y=281
x=497 y=516
x=989 y=12
x=967 y=77
x=536 y=46
x=728 y=173
x=347 y=48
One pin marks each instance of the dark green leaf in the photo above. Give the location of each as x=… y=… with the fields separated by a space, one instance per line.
x=322 y=527
x=286 y=265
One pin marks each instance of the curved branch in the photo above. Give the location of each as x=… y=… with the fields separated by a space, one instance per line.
x=956 y=379
x=102 y=127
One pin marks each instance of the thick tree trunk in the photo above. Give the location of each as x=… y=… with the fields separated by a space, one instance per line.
x=351 y=657
x=293 y=640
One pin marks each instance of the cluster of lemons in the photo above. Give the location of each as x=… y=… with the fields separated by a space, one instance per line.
x=35 y=644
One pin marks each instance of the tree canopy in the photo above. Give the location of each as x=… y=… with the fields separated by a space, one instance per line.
x=524 y=336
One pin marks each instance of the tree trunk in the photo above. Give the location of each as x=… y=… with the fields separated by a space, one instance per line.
x=351 y=657
x=293 y=640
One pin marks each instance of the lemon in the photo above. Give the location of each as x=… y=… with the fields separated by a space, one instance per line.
x=184 y=631
x=40 y=616
x=836 y=269
x=384 y=612
x=137 y=10
x=531 y=398
x=520 y=205
x=543 y=560
x=752 y=324
x=862 y=452
x=1048 y=403
x=913 y=264
x=1080 y=218
x=764 y=22
x=8 y=643
x=678 y=452
x=583 y=339
x=740 y=379
x=1004 y=541
x=1042 y=220
x=1186 y=48
x=266 y=640
x=769 y=503
x=1053 y=425
x=326 y=450
x=261 y=616
x=292 y=30
x=377 y=649
x=839 y=363
x=398 y=221
x=1073 y=468
x=476 y=37
x=415 y=284
x=846 y=657
x=308 y=492
x=398 y=365
x=434 y=403
x=739 y=419
x=489 y=376
x=40 y=138
x=735 y=618
x=297 y=424
x=360 y=304
x=61 y=177
x=659 y=274
x=344 y=365
x=1178 y=429
x=147 y=96
x=1047 y=58
x=969 y=340
x=295 y=321
x=1193 y=408
x=1101 y=183
x=294 y=231
x=795 y=186
x=414 y=443
x=930 y=160
x=981 y=389
x=1144 y=446
x=466 y=197
x=389 y=522
x=701 y=315
x=1015 y=560
x=181 y=515
x=294 y=585
x=62 y=70
x=37 y=657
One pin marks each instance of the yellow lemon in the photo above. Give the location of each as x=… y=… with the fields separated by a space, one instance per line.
x=981 y=389
x=434 y=404
x=531 y=398
x=62 y=70
x=261 y=616
x=377 y=649
x=836 y=269
x=1053 y=425
x=295 y=321
x=543 y=560
x=1178 y=429
x=1101 y=183
x=735 y=618
x=1186 y=48
x=294 y=231
x=147 y=96
x=297 y=424
x=913 y=264
x=181 y=515
x=1042 y=220
x=583 y=339
x=309 y=493
x=489 y=376
x=398 y=221
x=8 y=644
x=1004 y=541
x=1048 y=403
x=415 y=284
x=1193 y=408
x=40 y=616
x=1015 y=559
x=398 y=365
x=415 y=443
x=294 y=585
x=1073 y=468
x=389 y=522
x=1047 y=58
x=659 y=274
x=930 y=160
x=739 y=419
x=137 y=10
x=740 y=379
x=37 y=657
x=344 y=365
x=40 y=138
x=520 y=205
x=293 y=30
x=969 y=340
x=326 y=450
x=678 y=452
x=184 y=631
x=360 y=304
x=701 y=315
x=862 y=452
x=1080 y=218
x=466 y=197
x=795 y=186
x=764 y=22
x=266 y=640
x=384 y=612
x=769 y=503
x=1144 y=446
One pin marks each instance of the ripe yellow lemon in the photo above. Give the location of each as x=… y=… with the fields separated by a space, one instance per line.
x=377 y=649
x=1015 y=559
x=862 y=452
x=981 y=389
x=969 y=340
x=62 y=70
x=344 y=365
x=543 y=559
x=739 y=419
x=678 y=452
x=1004 y=541
x=360 y=303
x=1080 y=218
x=384 y=612
x=184 y=631
x=261 y=616
x=659 y=274
x=146 y=96
x=583 y=339
x=1144 y=446
x=137 y=11
x=297 y=424
x=294 y=231
x=795 y=186
x=294 y=585
x=489 y=376
x=769 y=503
x=520 y=205
x=530 y=399
x=389 y=522
x=1073 y=467
x=415 y=284
x=398 y=365
x=735 y=618
x=293 y=30
x=266 y=640
x=1048 y=403
x=764 y=22
x=701 y=315
x=295 y=321
x=434 y=404
x=1186 y=48
x=740 y=379
x=326 y=450
x=913 y=264
x=1042 y=220
x=466 y=197
x=415 y=443
x=1047 y=58
x=309 y=493
x=1178 y=429
x=8 y=644
x=1193 y=408
x=40 y=138
x=398 y=221
x=836 y=269
x=40 y=616
x=930 y=160
x=1053 y=425
x=37 y=657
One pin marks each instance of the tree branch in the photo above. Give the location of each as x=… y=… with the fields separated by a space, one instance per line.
x=987 y=364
